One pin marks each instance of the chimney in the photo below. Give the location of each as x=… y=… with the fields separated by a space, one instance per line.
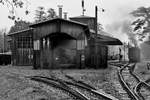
x=60 y=10
x=65 y=15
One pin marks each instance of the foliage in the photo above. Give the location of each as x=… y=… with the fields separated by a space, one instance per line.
x=12 y=5
x=41 y=14
x=142 y=23
x=2 y=34
x=19 y=25
x=51 y=13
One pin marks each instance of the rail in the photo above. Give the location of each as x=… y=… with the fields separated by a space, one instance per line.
x=77 y=84
x=61 y=86
x=125 y=85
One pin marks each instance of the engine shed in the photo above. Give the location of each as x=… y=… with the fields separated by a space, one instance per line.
x=60 y=43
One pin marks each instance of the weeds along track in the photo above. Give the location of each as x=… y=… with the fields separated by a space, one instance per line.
x=74 y=88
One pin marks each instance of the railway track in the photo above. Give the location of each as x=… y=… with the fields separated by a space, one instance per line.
x=76 y=95
x=136 y=88
x=127 y=81
x=76 y=89
x=91 y=90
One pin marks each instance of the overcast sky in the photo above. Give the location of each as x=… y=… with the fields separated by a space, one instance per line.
x=115 y=10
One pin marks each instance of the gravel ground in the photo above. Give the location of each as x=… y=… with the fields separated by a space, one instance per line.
x=14 y=86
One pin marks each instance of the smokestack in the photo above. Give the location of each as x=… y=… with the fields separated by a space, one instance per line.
x=60 y=10
x=65 y=15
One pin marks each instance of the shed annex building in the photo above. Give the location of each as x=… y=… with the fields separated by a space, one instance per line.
x=59 y=43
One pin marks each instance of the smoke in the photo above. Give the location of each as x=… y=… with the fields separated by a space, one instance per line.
x=127 y=29
x=122 y=28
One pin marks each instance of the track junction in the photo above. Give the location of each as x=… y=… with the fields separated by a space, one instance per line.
x=77 y=90
x=136 y=88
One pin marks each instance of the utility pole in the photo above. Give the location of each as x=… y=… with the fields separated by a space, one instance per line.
x=96 y=19
x=96 y=34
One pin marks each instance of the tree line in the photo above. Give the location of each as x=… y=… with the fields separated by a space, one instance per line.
x=40 y=15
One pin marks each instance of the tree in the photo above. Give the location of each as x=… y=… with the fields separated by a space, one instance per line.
x=51 y=13
x=40 y=14
x=19 y=25
x=142 y=23
x=2 y=41
x=12 y=5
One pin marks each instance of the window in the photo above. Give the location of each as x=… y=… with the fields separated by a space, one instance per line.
x=24 y=42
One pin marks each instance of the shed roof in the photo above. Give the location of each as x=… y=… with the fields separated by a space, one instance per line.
x=56 y=19
x=53 y=21
x=105 y=38
x=59 y=25
x=19 y=32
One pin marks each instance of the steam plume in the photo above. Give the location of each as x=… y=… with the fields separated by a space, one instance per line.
x=122 y=28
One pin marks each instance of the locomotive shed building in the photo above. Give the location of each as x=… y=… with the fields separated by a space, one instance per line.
x=58 y=43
